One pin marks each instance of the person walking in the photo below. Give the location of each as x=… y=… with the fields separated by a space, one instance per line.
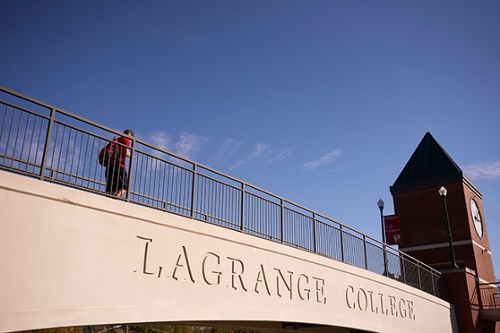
x=116 y=173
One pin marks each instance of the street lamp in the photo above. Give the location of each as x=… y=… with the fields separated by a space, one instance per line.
x=442 y=192
x=380 y=204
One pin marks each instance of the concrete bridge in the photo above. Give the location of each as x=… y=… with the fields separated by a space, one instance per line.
x=188 y=245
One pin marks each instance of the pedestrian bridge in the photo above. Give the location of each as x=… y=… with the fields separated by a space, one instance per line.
x=188 y=245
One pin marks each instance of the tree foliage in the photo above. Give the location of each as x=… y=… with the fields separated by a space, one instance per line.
x=140 y=329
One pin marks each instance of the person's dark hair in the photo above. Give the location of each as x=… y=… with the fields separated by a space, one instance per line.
x=129 y=132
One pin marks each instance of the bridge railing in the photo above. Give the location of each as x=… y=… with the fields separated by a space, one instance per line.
x=489 y=295
x=44 y=142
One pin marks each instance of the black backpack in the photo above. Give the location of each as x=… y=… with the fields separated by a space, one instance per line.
x=109 y=155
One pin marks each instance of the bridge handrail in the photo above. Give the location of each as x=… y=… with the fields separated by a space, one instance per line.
x=30 y=140
x=489 y=295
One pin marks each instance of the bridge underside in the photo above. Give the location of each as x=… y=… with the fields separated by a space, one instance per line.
x=270 y=326
x=72 y=258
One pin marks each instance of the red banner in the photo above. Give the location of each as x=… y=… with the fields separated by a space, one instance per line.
x=392 y=230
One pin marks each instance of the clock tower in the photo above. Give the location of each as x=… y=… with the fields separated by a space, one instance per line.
x=425 y=215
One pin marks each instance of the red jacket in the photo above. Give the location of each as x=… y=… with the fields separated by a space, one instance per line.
x=123 y=150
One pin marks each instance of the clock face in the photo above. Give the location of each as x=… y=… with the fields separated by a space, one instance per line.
x=476 y=217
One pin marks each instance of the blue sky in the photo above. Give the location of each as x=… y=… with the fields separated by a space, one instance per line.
x=320 y=102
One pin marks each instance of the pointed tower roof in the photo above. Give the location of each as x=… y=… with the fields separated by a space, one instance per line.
x=429 y=165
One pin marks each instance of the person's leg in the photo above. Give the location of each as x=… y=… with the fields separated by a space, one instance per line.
x=113 y=179
x=109 y=180
x=120 y=193
x=122 y=182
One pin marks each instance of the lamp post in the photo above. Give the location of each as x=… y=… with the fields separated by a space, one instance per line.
x=442 y=192
x=380 y=205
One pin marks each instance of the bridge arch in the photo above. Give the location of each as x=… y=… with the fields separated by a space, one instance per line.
x=73 y=258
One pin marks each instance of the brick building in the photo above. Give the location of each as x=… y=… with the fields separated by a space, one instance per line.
x=424 y=234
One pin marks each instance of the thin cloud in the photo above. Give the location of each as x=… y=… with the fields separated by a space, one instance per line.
x=189 y=144
x=341 y=168
x=487 y=170
x=160 y=139
x=282 y=155
x=228 y=147
x=260 y=149
x=326 y=159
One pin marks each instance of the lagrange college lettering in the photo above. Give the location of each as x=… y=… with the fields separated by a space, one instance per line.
x=367 y=300
x=218 y=270
x=270 y=281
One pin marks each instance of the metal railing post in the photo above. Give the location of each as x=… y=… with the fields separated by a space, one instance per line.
x=342 y=243
x=243 y=207
x=47 y=143
x=480 y=298
x=419 y=277
x=314 y=233
x=366 y=253
x=386 y=264
x=193 y=189
x=403 y=273
x=130 y=170
x=432 y=281
x=282 y=221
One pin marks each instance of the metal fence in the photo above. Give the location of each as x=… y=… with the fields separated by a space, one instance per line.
x=44 y=142
x=489 y=295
